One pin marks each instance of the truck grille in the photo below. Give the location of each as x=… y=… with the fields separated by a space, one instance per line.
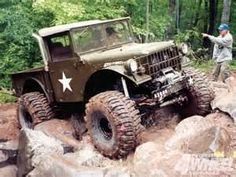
x=155 y=62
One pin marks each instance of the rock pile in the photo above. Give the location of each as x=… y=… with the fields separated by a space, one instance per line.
x=195 y=146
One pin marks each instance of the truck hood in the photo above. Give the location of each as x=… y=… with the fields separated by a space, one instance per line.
x=125 y=52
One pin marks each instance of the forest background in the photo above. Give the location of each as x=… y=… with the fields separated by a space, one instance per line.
x=152 y=20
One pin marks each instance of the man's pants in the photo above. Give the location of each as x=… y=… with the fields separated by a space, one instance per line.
x=221 y=69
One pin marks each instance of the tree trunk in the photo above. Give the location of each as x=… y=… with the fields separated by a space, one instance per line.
x=213 y=15
x=177 y=16
x=226 y=11
x=212 y=21
x=147 y=19
x=197 y=13
x=171 y=28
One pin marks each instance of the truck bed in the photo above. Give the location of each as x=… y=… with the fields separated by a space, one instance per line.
x=35 y=79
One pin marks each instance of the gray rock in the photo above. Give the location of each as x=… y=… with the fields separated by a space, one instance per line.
x=226 y=103
x=8 y=152
x=231 y=83
x=61 y=130
x=226 y=100
x=146 y=151
x=152 y=161
x=88 y=156
x=42 y=156
x=3 y=156
x=34 y=146
x=54 y=165
x=199 y=135
x=8 y=171
x=117 y=172
x=11 y=145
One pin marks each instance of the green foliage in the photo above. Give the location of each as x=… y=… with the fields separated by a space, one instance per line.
x=6 y=97
x=191 y=37
x=233 y=65
x=206 y=66
x=18 y=50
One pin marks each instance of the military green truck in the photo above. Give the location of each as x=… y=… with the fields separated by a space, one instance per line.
x=97 y=67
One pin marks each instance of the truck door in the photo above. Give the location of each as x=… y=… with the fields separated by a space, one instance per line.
x=64 y=69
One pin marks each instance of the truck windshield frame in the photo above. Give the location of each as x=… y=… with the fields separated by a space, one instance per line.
x=101 y=36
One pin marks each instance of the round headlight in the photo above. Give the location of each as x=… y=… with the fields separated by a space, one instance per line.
x=132 y=65
x=184 y=48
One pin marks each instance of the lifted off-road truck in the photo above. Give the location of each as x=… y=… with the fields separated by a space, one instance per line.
x=97 y=65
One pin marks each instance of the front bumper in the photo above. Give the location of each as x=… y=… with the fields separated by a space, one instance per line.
x=172 y=89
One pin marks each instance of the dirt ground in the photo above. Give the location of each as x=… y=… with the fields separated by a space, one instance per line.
x=9 y=128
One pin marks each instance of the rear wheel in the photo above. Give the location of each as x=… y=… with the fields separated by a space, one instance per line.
x=199 y=95
x=33 y=108
x=113 y=123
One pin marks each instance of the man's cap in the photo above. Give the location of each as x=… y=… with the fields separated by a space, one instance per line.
x=223 y=27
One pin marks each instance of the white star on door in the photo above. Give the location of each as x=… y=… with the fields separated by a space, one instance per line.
x=65 y=82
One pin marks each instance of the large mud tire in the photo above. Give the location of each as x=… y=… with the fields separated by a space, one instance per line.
x=199 y=95
x=33 y=108
x=113 y=123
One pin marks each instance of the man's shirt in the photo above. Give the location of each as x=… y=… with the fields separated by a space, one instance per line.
x=222 y=48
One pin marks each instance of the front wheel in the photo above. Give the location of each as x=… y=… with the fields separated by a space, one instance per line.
x=199 y=95
x=33 y=108
x=113 y=123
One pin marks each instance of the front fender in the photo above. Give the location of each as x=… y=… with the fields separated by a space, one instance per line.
x=137 y=79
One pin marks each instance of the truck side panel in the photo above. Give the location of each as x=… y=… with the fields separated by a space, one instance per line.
x=30 y=81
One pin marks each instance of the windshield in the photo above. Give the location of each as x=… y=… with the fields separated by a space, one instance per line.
x=102 y=35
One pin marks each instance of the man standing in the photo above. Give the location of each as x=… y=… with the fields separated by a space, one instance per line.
x=222 y=53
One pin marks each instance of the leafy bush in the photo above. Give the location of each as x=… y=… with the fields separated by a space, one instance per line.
x=7 y=97
x=191 y=37
x=18 y=50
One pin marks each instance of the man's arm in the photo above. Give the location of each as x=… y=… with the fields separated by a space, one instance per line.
x=226 y=41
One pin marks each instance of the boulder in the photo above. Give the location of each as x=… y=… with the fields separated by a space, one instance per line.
x=220 y=119
x=55 y=165
x=226 y=103
x=8 y=171
x=231 y=83
x=219 y=88
x=226 y=100
x=34 y=147
x=199 y=135
x=146 y=151
x=9 y=145
x=88 y=156
x=60 y=129
x=117 y=172
x=151 y=161
x=42 y=156
x=8 y=152
x=3 y=156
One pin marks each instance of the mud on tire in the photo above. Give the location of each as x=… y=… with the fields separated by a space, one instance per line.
x=33 y=108
x=113 y=123
x=199 y=94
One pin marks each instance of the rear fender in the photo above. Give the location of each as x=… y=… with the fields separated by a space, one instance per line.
x=35 y=85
